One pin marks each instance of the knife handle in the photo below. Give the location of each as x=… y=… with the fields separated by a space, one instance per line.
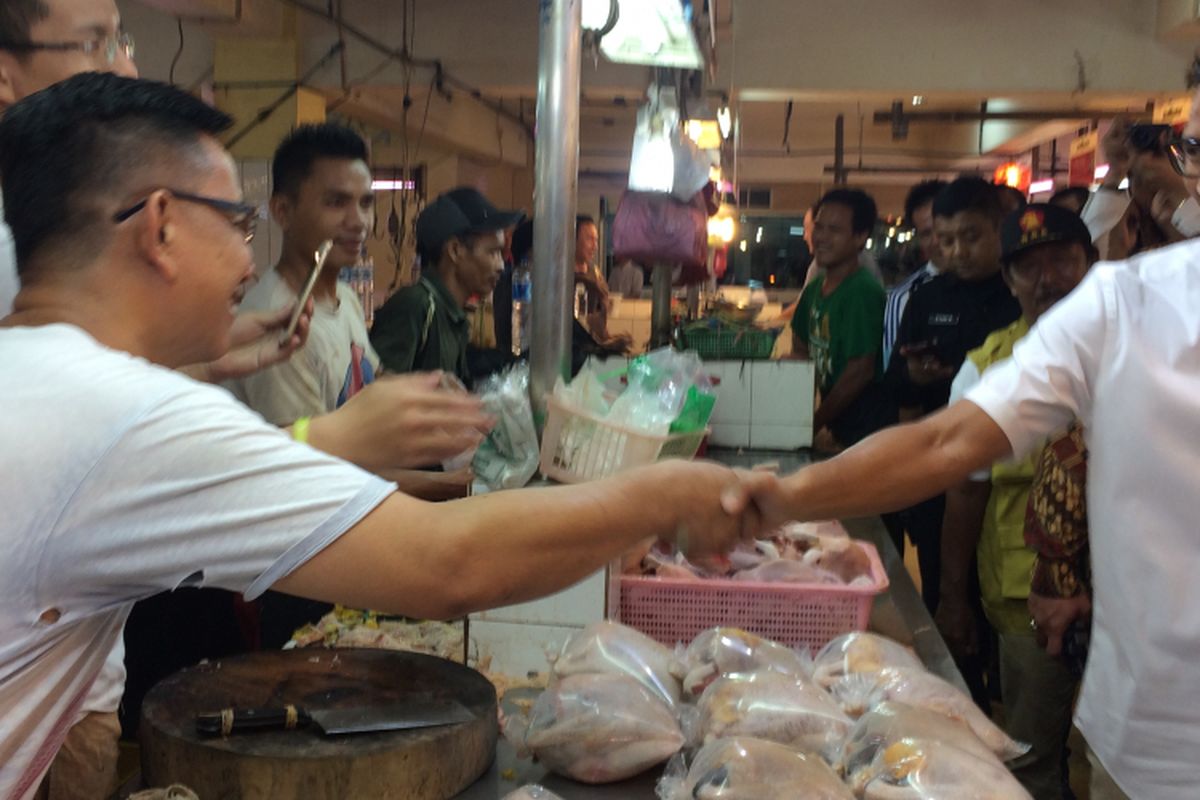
x=241 y=720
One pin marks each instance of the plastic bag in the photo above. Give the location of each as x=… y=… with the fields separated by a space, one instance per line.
x=773 y=706
x=508 y=457
x=724 y=651
x=915 y=769
x=532 y=792
x=610 y=647
x=597 y=728
x=922 y=689
x=853 y=653
x=784 y=571
x=751 y=769
x=658 y=392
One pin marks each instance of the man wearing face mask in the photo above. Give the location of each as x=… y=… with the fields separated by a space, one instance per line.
x=460 y=236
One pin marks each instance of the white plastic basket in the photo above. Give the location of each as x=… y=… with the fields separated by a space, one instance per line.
x=578 y=446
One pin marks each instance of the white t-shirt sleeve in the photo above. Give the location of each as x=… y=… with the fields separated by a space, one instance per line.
x=967 y=377
x=198 y=491
x=1048 y=380
x=9 y=282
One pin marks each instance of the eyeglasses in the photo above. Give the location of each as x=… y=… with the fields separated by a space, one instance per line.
x=1184 y=153
x=109 y=46
x=1030 y=269
x=242 y=216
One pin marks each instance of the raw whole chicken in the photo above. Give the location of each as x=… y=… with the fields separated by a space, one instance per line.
x=618 y=649
x=912 y=769
x=532 y=792
x=770 y=705
x=922 y=689
x=598 y=728
x=888 y=723
x=752 y=769
x=722 y=651
x=855 y=653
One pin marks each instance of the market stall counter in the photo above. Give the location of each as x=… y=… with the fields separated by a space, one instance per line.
x=898 y=614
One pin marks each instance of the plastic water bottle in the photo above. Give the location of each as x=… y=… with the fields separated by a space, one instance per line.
x=522 y=294
x=581 y=302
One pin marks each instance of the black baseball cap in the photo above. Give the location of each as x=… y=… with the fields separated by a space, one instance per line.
x=460 y=212
x=1040 y=223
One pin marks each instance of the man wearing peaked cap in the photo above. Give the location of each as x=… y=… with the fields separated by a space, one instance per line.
x=1046 y=252
x=460 y=238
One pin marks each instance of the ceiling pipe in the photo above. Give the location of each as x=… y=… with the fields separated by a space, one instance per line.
x=945 y=117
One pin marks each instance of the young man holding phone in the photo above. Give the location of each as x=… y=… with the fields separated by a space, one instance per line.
x=321 y=191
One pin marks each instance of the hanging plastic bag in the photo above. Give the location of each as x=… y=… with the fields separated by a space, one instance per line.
x=597 y=728
x=652 y=161
x=750 y=769
x=610 y=647
x=773 y=706
x=508 y=457
x=653 y=228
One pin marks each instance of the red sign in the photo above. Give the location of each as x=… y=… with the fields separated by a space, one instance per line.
x=1083 y=160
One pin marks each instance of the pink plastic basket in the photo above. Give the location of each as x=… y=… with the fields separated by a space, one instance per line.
x=671 y=610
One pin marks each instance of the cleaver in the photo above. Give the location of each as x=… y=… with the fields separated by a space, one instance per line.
x=336 y=721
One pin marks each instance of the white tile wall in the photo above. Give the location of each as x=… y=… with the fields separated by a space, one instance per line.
x=578 y=605
x=782 y=392
x=780 y=437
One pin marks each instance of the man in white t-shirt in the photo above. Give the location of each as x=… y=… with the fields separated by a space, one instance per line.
x=125 y=478
x=1122 y=354
x=321 y=190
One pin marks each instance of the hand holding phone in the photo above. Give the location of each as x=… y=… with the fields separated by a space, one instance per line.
x=319 y=259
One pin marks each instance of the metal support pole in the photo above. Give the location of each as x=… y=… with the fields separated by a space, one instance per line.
x=660 y=306
x=556 y=179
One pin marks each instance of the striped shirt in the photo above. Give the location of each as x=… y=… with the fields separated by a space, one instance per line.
x=897 y=300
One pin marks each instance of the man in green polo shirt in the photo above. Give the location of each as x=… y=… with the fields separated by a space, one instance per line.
x=1047 y=250
x=460 y=237
x=839 y=321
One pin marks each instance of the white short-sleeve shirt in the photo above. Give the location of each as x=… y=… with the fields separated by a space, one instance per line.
x=1122 y=353
x=121 y=480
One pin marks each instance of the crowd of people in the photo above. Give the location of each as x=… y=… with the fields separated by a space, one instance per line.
x=1020 y=413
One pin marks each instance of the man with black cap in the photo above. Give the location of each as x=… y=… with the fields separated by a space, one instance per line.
x=460 y=238
x=1047 y=251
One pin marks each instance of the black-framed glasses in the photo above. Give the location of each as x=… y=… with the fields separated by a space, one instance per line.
x=242 y=216
x=108 y=46
x=1184 y=153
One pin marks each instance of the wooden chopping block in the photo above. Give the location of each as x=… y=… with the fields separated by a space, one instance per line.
x=426 y=764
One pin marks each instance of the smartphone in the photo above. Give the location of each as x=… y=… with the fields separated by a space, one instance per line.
x=319 y=259
x=1076 y=642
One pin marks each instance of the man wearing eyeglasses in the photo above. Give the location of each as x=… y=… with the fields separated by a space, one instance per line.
x=1046 y=252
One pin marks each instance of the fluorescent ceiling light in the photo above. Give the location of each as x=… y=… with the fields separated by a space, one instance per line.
x=656 y=32
x=1041 y=187
x=393 y=186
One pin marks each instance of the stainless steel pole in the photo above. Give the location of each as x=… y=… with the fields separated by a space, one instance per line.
x=556 y=179
x=660 y=306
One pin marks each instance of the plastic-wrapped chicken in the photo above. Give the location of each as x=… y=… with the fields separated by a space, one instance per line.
x=855 y=653
x=532 y=792
x=921 y=688
x=751 y=769
x=722 y=651
x=610 y=647
x=597 y=728
x=915 y=769
x=773 y=706
x=888 y=723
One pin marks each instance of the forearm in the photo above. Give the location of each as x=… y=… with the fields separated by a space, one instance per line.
x=854 y=379
x=962 y=524
x=897 y=467
x=444 y=560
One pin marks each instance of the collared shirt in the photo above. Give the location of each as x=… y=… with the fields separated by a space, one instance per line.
x=952 y=317
x=1105 y=208
x=897 y=300
x=1122 y=353
x=422 y=327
